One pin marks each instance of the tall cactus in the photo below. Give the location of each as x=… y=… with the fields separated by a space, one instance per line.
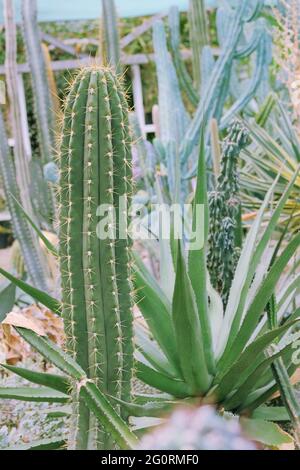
x=42 y=98
x=27 y=240
x=96 y=281
x=225 y=237
x=18 y=173
x=43 y=104
x=110 y=35
x=199 y=36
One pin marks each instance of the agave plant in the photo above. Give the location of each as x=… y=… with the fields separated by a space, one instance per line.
x=191 y=347
x=274 y=148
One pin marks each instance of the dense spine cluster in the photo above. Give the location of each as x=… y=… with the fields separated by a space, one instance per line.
x=225 y=237
x=95 y=170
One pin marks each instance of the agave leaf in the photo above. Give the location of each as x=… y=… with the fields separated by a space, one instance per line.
x=155 y=379
x=247 y=362
x=188 y=331
x=243 y=391
x=156 y=310
x=53 y=354
x=150 y=409
x=265 y=432
x=7 y=300
x=41 y=394
x=108 y=418
x=56 y=382
x=40 y=234
x=292 y=287
x=197 y=269
x=262 y=297
x=41 y=297
x=151 y=352
x=54 y=443
x=271 y=413
x=94 y=398
x=248 y=262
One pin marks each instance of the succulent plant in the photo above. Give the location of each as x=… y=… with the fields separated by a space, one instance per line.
x=95 y=171
x=225 y=233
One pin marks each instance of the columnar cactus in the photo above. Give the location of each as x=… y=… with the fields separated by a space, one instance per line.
x=199 y=36
x=95 y=170
x=225 y=214
x=42 y=98
x=110 y=35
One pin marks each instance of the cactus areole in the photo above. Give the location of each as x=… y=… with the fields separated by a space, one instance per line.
x=95 y=171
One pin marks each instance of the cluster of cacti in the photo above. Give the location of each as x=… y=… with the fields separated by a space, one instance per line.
x=95 y=171
x=197 y=429
x=225 y=230
x=180 y=133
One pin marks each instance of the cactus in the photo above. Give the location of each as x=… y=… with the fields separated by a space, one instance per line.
x=17 y=175
x=199 y=36
x=225 y=239
x=27 y=239
x=179 y=135
x=55 y=101
x=197 y=429
x=42 y=98
x=96 y=281
x=43 y=104
x=111 y=49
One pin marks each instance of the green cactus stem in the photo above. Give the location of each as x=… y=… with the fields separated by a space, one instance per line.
x=95 y=170
x=42 y=98
x=225 y=238
x=110 y=35
x=199 y=36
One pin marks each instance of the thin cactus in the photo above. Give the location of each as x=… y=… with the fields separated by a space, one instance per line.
x=225 y=238
x=111 y=49
x=55 y=101
x=36 y=265
x=199 y=36
x=95 y=170
x=42 y=98
x=28 y=241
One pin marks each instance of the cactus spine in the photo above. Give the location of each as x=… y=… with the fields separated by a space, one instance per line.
x=225 y=237
x=95 y=170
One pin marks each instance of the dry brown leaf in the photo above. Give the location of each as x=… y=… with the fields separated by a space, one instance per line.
x=21 y=321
